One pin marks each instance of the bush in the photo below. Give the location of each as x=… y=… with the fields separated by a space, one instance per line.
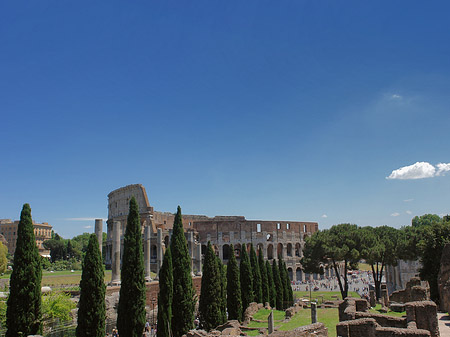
x=57 y=305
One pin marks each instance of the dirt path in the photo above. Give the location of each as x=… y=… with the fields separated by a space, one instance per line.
x=444 y=324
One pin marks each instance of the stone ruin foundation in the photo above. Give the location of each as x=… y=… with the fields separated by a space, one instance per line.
x=355 y=320
x=444 y=279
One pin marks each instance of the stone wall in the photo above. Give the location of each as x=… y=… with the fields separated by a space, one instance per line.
x=415 y=290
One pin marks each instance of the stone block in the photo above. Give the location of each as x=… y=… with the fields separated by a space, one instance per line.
x=397 y=307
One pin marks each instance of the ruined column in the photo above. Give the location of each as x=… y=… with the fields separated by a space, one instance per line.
x=147 y=238
x=191 y=250
x=198 y=257
x=313 y=312
x=115 y=277
x=99 y=233
x=270 y=321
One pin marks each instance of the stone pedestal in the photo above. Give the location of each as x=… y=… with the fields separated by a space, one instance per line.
x=313 y=312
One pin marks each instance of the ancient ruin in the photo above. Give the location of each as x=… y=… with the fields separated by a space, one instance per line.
x=444 y=279
x=285 y=238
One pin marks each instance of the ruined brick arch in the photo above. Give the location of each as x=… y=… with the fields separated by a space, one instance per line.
x=166 y=241
x=204 y=247
x=280 y=250
x=290 y=273
x=289 y=249
x=237 y=251
x=259 y=245
x=270 y=251
x=299 y=274
x=226 y=252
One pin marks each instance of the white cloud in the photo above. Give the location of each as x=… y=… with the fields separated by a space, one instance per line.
x=442 y=168
x=395 y=214
x=324 y=216
x=408 y=212
x=418 y=170
x=395 y=96
x=408 y=200
x=87 y=227
x=83 y=219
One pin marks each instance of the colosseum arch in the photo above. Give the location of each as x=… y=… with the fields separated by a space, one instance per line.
x=299 y=274
x=289 y=249
x=297 y=249
x=290 y=273
x=269 y=251
x=237 y=251
x=280 y=250
x=226 y=252
x=258 y=246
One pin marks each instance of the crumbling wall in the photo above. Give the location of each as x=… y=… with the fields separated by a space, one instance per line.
x=415 y=290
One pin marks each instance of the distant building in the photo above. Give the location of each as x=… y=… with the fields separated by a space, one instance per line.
x=42 y=232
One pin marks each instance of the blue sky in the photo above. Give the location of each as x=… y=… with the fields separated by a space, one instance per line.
x=277 y=110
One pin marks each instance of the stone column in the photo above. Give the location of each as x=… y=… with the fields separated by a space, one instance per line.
x=198 y=257
x=270 y=321
x=99 y=233
x=147 y=238
x=191 y=250
x=115 y=277
x=313 y=312
x=159 y=251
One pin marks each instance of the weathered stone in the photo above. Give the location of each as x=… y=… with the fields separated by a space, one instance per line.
x=424 y=313
x=372 y=298
x=397 y=307
x=313 y=312
x=444 y=279
x=270 y=323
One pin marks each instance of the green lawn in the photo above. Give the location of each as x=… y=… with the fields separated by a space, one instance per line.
x=329 y=317
x=325 y=295
x=389 y=313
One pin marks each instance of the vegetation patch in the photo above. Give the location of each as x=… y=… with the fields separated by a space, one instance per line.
x=377 y=309
x=323 y=296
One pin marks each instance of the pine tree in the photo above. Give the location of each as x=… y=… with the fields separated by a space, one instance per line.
x=69 y=249
x=264 y=281
x=271 y=284
x=92 y=309
x=210 y=305
x=183 y=290
x=289 y=292
x=131 y=309
x=284 y=280
x=23 y=314
x=223 y=289
x=257 y=289
x=234 y=300
x=246 y=280
x=165 y=296
x=278 y=286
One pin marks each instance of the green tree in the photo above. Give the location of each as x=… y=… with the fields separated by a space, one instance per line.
x=58 y=305
x=379 y=247
x=234 y=300
x=264 y=280
x=165 y=296
x=23 y=316
x=183 y=290
x=92 y=308
x=284 y=281
x=339 y=247
x=277 y=285
x=57 y=247
x=271 y=284
x=436 y=236
x=425 y=220
x=69 y=250
x=131 y=308
x=210 y=305
x=246 y=279
x=223 y=289
x=3 y=258
x=257 y=287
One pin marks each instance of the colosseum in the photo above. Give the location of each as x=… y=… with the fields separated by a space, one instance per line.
x=285 y=238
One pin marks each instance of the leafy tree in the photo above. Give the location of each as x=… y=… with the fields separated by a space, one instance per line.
x=271 y=284
x=131 y=308
x=3 y=258
x=58 y=305
x=234 y=300
x=278 y=286
x=92 y=308
x=57 y=247
x=425 y=220
x=246 y=280
x=338 y=246
x=210 y=304
x=165 y=296
x=23 y=316
x=264 y=280
x=436 y=236
x=183 y=291
x=379 y=247
x=257 y=286
x=69 y=250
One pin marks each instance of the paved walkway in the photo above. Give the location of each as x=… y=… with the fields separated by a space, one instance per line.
x=444 y=324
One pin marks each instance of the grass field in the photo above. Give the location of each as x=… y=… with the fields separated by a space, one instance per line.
x=323 y=296
x=329 y=317
x=389 y=313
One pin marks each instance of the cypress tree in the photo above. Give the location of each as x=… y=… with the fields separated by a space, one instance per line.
x=246 y=280
x=284 y=281
x=183 y=290
x=278 y=286
x=223 y=288
x=264 y=281
x=23 y=313
x=234 y=300
x=272 y=292
x=165 y=296
x=92 y=309
x=210 y=305
x=289 y=292
x=257 y=289
x=131 y=309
